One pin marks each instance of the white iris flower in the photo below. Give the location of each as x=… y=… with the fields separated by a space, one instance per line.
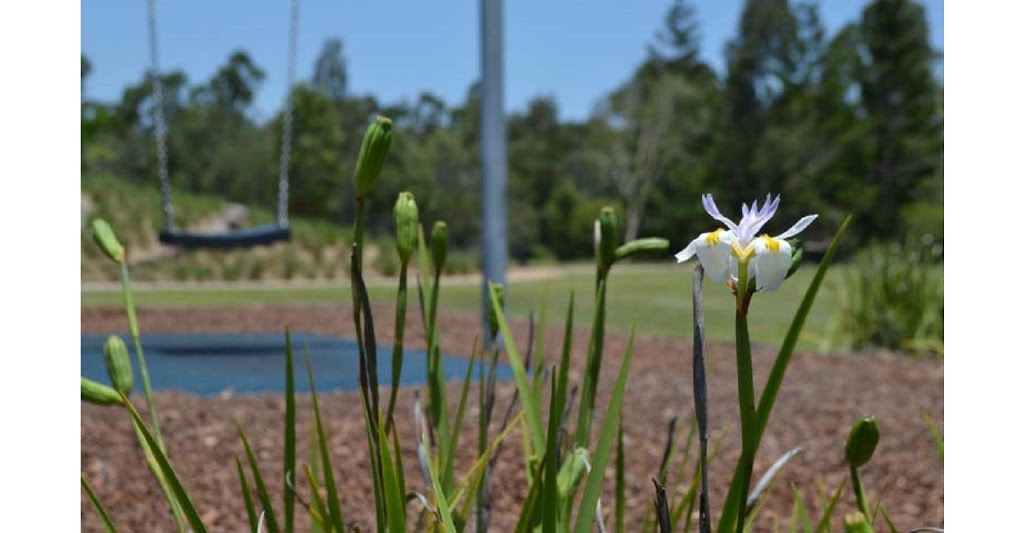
x=720 y=251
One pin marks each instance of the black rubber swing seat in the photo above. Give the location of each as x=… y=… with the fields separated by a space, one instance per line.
x=243 y=238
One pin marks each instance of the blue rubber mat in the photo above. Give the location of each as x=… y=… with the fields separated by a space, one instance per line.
x=208 y=364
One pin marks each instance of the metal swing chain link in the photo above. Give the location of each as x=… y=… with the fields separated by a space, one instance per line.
x=286 y=134
x=159 y=123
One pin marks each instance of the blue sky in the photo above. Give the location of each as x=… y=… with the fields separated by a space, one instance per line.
x=574 y=50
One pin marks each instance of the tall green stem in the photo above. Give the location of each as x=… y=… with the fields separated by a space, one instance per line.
x=858 y=489
x=397 y=350
x=736 y=500
x=133 y=328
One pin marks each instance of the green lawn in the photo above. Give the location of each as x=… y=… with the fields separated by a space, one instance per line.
x=658 y=296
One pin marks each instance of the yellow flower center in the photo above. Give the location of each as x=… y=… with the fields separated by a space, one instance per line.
x=715 y=237
x=771 y=243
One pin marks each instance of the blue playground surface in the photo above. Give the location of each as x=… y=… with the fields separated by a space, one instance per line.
x=207 y=364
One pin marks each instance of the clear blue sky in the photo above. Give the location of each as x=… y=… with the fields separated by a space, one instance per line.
x=574 y=50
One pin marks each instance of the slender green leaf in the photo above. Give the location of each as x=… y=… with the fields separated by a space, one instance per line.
x=261 y=488
x=442 y=502
x=939 y=441
x=550 y=502
x=165 y=466
x=250 y=507
x=393 y=492
x=620 y=488
x=449 y=464
x=289 y=434
x=108 y=526
x=888 y=520
x=592 y=491
x=335 y=517
x=536 y=430
x=319 y=509
x=825 y=524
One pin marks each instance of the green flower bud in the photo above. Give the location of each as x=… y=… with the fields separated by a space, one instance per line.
x=372 y=154
x=98 y=393
x=119 y=365
x=856 y=523
x=606 y=237
x=407 y=220
x=798 y=256
x=650 y=245
x=492 y=317
x=861 y=443
x=104 y=236
x=439 y=245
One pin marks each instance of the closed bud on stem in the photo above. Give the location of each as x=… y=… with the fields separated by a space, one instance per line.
x=439 y=245
x=372 y=154
x=607 y=238
x=407 y=220
x=861 y=443
x=856 y=523
x=798 y=256
x=104 y=236
x=492 y=316
x=119 y=365
x=98 y=393
x=650 y=245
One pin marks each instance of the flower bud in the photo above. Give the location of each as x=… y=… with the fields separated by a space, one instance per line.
x=98 y=393
x=606 y=236
x=104 y=236
x=372 y=154
x=439 y=245
x=407 y=220
x=797 y=246
x=119 y=365
x=492 y=317
x=856 y=523
x=649 y=245
x=861 y=443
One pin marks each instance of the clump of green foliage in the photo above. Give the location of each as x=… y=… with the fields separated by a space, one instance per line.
x=894 y=298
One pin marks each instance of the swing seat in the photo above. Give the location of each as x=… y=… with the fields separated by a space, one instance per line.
x=243 y=238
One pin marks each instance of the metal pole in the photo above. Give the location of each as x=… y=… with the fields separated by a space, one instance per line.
x=493 y=158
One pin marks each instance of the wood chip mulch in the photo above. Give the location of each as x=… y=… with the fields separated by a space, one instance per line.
x=820 y=399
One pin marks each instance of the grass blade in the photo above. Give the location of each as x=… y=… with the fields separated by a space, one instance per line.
x=257 y=478
x=824 y=525
x=250 y=508
x=442 y=502
x=533 y=423
x=335 y=517
x=165 y=466
x=592 y=492
x=939 y=441
x=394 y=494
x=289 y=433
x=319 y=509
x=108 y=526
x=620 y=487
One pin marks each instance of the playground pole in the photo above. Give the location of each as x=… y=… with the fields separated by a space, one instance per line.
x=493 y=156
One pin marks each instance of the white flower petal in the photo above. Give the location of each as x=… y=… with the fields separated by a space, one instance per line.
x=686 y=253
x=798 y=227
x=772 y=259
x=714 y=258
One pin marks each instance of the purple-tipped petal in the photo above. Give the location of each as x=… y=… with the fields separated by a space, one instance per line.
x=712 y=209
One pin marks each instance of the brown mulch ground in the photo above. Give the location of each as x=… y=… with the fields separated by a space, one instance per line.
x=820 y=399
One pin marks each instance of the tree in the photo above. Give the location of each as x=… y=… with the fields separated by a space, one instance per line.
x=330 y=74
x=902 y=101
x=234 y=85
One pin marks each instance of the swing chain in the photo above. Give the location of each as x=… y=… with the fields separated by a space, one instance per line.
x=286 y=133
x=158 y=121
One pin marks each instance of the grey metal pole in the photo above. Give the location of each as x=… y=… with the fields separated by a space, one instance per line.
x=493 y=157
